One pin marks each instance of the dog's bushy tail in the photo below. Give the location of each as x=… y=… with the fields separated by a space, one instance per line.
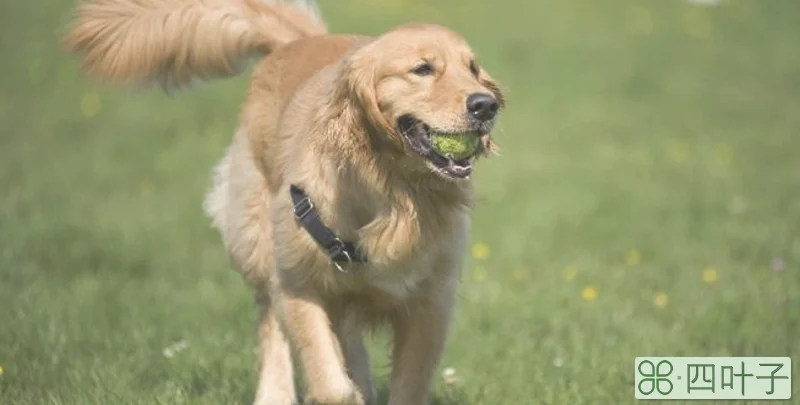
x=174 y=42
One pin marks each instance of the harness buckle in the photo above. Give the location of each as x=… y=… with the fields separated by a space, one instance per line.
x=303 y=208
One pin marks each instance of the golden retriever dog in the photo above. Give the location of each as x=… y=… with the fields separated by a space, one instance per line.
x=331 y=200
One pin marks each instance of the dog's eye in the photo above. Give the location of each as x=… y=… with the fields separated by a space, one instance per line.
x=473 y=67
x=423 y=69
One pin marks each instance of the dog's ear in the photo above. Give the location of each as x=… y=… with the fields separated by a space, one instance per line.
x=359 y=77
x=490 y=84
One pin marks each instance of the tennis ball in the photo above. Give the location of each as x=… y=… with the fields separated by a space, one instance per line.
x=455 y=146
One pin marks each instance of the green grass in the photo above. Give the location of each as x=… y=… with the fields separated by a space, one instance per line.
x=645 y=128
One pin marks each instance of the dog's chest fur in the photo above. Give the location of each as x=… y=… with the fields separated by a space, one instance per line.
x=406 y=245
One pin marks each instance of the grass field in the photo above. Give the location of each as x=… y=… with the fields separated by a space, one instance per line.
x=647 y=203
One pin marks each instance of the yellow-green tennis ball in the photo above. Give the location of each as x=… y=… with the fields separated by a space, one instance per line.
x=455 y=146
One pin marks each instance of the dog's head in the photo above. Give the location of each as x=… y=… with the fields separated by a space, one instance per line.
x=420 y=79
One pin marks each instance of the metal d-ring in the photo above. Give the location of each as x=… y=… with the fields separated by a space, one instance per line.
x=340 y=246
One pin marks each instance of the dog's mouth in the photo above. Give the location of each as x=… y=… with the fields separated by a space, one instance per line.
x=418 y=136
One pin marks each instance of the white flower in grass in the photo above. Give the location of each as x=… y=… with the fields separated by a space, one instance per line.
x=175 y=348
x=449 y=375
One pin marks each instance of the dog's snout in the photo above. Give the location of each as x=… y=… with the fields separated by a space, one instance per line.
x=482 y=106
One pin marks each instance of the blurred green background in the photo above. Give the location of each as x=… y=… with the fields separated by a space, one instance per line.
x=646 y=204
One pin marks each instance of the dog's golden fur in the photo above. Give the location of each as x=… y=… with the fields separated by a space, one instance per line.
x=321 y=112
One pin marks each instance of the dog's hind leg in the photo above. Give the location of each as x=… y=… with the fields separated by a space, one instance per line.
x=276 y=378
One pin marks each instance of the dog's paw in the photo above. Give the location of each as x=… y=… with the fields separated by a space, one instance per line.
x=343 y=396
x=275 y=398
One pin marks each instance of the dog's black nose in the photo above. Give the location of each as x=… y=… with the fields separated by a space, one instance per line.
x=482 y=106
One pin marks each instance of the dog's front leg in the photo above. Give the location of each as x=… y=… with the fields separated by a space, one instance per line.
x=276 y=383
x=420 y=332
x=308 y=327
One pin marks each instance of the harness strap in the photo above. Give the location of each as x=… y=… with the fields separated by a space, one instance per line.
x=307 y=215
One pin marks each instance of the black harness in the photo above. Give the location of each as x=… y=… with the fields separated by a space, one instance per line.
x=340 y=252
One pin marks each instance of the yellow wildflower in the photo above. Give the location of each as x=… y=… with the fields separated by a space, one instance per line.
x=710 y=275
x=1 y=370
x=589 y=294
x=633 y=258
x=661 y=300
x=480 y=251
